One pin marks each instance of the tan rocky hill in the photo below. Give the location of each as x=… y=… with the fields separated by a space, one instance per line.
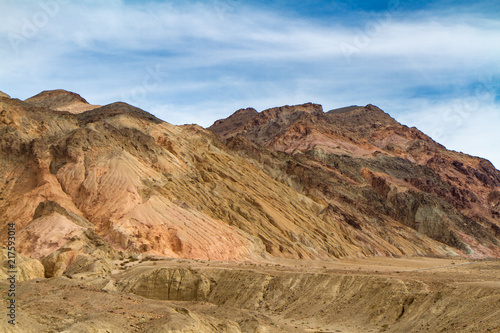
x=61 y=100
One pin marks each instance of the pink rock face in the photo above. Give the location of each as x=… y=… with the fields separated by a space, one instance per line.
x=46 y=234
x=162 y=227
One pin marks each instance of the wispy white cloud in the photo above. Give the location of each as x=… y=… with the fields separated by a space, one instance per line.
x=214 y=57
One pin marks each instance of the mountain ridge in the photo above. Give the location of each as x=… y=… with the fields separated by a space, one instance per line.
x=285 y=220
x=287 y=182
x=358 y=139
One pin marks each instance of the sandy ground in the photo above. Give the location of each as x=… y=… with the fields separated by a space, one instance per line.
x=80 y=304
x=444 y=270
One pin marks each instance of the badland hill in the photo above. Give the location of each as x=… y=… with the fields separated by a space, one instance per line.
x=88 y=186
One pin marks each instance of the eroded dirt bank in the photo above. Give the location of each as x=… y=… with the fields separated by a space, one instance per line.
x=401 y=302
x=375 y=295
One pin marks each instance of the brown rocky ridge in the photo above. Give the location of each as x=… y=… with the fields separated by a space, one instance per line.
x=247 y=223
x=360 y=160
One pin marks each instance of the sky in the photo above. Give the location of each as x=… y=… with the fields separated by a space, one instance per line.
x=430 y=64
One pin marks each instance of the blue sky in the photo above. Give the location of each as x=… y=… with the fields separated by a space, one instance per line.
x=430 y=64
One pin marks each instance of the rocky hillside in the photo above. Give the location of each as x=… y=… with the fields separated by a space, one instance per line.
x=289 y=182
x=375 y=173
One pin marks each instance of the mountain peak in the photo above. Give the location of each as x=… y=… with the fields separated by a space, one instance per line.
x=237 y=119
x=344 y=109
x=61 y=100
x=311 y=108
x=114 y=109
x=250 y=121
x=51 y=98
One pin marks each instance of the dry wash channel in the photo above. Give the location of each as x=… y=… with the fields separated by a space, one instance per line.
x=452 y=298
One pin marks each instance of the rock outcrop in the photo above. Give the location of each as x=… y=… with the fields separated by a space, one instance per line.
x=26 y=268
